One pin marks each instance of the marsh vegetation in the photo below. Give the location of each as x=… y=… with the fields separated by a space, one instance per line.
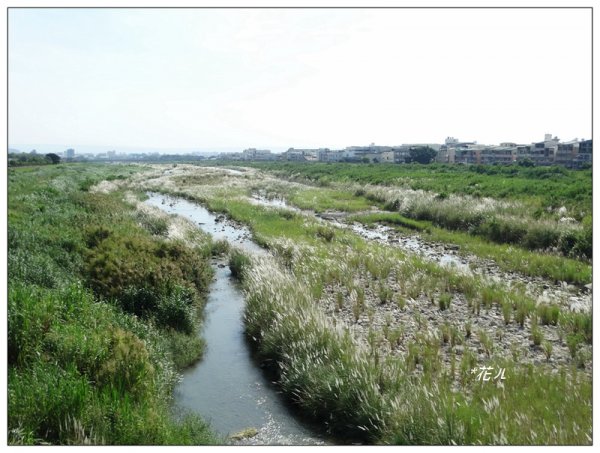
x=369 y=336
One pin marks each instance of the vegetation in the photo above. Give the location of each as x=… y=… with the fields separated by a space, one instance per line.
x=370 y=377
x=23 y=159
x=101 y=310
x=543 y=187
x=422 y=155
x=377 y=344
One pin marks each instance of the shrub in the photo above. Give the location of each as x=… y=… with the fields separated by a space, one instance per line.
x=486 y=341
x=444 y=301
x=537 y=335
x=385 y=293
x=155 y=224
x=238 y=263
x=507 y=310
x=547 y=347
x=128 y=368
x=468 y=329
x=220 y=247
x=326 y=233
x=548 y=314
x=573 y=342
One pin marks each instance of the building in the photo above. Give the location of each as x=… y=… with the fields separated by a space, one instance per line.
x=309 y=155
x=468 y=154
x=70 y=153
x=452 y=147
x=257 y=154
x=504 y=155
x=327 y=155
x=565 y=153
x=584 y=154
x=401 y=154
x=542 y=153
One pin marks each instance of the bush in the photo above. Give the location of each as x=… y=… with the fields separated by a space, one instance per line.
x=220 y=247
x=548 y=314
x=238 y=263
x=326 y=233
x=537 y=335
x=128 y=368
x=155 y=224
x=445 y=300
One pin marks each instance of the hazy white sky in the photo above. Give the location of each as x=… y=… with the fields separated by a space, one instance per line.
x=202 y=78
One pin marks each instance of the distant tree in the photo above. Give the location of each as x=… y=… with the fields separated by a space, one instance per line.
x=526 y=162
x=365 y=160
x=54 y=158
x=422 y=154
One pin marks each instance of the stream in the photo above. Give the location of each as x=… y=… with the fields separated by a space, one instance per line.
x=227 y=387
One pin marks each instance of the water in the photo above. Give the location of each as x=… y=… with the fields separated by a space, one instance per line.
x=412 y=244
x=227 y=387
x=279 y=203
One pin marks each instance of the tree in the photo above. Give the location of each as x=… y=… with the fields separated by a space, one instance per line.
x=422 y=154
x=53 y=157
x=526 y=162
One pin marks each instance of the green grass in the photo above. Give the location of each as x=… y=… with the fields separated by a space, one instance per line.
x=86 y=363
x=392 y=219
x=323 y=199
x=541 y=186
x=540 y=192
x=508 y=257
x=363 y=395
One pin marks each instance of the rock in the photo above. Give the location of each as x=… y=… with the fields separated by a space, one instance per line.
x=588 y=286
x=221 y=265
x=452 y=247
x=245 y=434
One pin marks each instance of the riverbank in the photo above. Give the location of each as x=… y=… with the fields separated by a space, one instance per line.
x=228 y=387
x=103 y=305
x=354 y=379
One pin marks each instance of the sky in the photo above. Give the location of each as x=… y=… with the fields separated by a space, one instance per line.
x=303 y=78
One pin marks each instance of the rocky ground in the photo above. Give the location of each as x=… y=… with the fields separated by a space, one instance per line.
x=421 y=316
x=578 y=299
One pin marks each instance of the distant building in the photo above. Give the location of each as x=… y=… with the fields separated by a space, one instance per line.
x=565 y=153
x=328 y=155
x=401 y=154
x=306 y=154
x=540 y=153
x=257 y=154
x=584 y=154
x=504 y=155
x=231 y=156
x=455 y=151
x=70 y=153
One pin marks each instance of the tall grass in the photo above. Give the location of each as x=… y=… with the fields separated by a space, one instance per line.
x=100 y=312
x=339 y=377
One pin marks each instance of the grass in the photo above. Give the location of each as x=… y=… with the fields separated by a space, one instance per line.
x=101 y=308
x=508 y=257
x=505 y=205
x=323 y=199
x=343 y=380
x=543 y=187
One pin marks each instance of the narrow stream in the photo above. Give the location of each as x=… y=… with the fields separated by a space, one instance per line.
x=227 y=387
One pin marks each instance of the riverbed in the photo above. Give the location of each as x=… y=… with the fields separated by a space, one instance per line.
x=227 y=387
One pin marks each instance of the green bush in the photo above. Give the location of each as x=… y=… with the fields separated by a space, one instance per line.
x=220 y=247
x=548 y=314
x=238 y=263
x=326 y=233
x=81 y=370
